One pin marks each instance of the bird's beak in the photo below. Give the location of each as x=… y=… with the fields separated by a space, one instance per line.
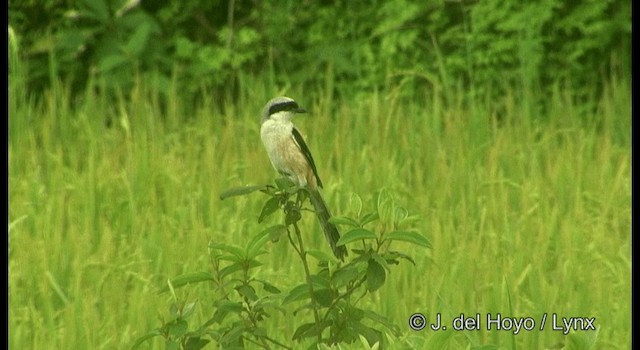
x=299 y=110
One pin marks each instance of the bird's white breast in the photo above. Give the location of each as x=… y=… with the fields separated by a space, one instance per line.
x=277 y=139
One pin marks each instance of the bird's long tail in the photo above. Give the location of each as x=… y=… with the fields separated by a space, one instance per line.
x=330 y=230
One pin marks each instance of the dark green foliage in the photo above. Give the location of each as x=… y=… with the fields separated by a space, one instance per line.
x=531 y=45
x=328 y=298
x=345 y=48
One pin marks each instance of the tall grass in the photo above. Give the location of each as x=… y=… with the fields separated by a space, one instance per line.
x=528 y=214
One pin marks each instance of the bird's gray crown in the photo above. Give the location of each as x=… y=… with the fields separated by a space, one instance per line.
x=279 y=104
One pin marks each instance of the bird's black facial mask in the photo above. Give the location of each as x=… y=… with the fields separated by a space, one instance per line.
x=291 y=106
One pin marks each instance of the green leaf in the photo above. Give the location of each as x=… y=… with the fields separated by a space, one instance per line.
x=174 y=309
x=324 y=296
x=366 y=345
x=276 y=231
x=228 y=306
x=171 y=344
x=184 y=48
x=237 y=252
x=320 y=281
x=111 y=62
x=375 y=275
x=582 y=340
x=138 y=39
x=392 y=257
x=269 y=287
x=284 y=183
x=310 y=330
x=96 y=9
x=400 y=214
x=355 y=313
x=343 y=220
x=144 y=338
x=345 y=275
x=240 y=191
x=297 y=293
x=247 y=292
x=196 y=343
x=239 y=266
x=234 y=333
x=259 y=332
x=292 y=217
x=369 y=217
x=188 y=309
x=385 y=206
x=383 y=321
x=177 y=328
x=321 y=255
x=259 y=241
x=188 y=278
x=355 y=204
x=372 y=335
x=223 y=308
x=407 y=236
x=304 y=331
x=355 y=235
x=269 y=208
x=380 y=260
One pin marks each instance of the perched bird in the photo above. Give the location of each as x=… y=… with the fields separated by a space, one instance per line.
x=291 y=157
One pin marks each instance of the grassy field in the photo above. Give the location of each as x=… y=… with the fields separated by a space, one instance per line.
x=528 y=214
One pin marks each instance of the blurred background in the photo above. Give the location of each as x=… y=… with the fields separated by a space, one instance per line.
x=349 y=48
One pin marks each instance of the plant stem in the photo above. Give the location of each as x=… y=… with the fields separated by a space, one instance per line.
x=277 y=343
x=303 y=256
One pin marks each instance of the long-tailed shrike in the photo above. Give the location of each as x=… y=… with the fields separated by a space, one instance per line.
x=291 y=157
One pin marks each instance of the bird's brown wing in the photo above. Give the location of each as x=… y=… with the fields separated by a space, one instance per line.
x=297 y=137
